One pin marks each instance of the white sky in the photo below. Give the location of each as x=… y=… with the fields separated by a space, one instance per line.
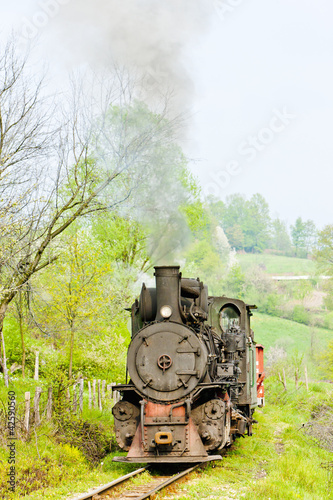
x=250 y=64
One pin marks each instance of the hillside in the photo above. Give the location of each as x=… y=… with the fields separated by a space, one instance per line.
x=277 y=264
x=272 y=331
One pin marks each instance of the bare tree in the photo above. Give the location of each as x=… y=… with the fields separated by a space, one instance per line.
x=53 y=172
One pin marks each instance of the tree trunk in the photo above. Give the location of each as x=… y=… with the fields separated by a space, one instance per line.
x=49 y=404
x=22 y=333
x=71 y=349
x=3 y=309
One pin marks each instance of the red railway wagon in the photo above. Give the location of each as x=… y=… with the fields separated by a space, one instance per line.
x=260 y=374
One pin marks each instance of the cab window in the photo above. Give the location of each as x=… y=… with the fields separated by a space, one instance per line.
x=229 y=318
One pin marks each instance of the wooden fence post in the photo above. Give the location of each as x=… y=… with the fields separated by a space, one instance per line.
x=36 y=405
x=81 y=395
x=74 y=398
x=99 y=394
x=306 y=378
x=109 y=391
x=27 y=411
x=103 y=389
x=284 y=379
x=49 y=404
x=94 y=393
x=89 y=394
x=114 y=393
x=36 y=376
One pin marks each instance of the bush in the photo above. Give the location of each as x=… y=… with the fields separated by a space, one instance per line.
x=93 y=440
x=328 y=321
x=271 y=304
x=301 y=315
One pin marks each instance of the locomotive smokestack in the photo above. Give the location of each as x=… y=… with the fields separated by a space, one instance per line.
x=167 y=293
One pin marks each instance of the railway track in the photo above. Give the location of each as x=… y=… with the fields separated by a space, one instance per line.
x=157 y=483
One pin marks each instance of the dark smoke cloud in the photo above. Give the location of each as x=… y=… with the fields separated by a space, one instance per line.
x=155 y=40
x=150 y=36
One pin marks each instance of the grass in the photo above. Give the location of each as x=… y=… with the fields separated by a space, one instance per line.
x=252 y=469
x=279 y=462
x=61 y=472
x=277 y=264
x=46 y=468
x=271 y=331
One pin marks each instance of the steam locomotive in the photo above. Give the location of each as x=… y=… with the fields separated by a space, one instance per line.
x=193 y=371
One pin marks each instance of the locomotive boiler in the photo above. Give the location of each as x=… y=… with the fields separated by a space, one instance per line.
x=193 y=373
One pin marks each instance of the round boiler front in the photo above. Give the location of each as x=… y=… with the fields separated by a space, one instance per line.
x=166 y=361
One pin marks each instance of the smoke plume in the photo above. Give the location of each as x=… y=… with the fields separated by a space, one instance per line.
x=152 y=37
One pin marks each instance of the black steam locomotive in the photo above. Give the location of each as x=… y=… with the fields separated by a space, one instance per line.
x=193 y=376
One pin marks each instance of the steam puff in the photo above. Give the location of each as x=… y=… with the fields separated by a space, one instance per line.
x=149 y=35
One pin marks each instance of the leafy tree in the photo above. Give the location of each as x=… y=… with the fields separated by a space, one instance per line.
x=236 y=210
x=324 y=252
x=235 y=282
x=121 y=239
x=235 y=236
x=246 y=223
x=218 y=209
x=298 y=235
x=310 y=236
x=75 y=296
x=280 y=237
x=256 y=224
x=324 y=258
x=304 y=235
x=202 y=257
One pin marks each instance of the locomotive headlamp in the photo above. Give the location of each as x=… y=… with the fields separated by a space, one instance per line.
x=166 y=312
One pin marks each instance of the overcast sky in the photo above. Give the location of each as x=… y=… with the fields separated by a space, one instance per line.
x=256 y=75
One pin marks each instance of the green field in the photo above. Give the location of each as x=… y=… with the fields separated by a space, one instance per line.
x=292 y=336
x=277 y=264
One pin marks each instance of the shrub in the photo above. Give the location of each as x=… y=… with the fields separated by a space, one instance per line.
x=301 y=315
x=93 y=440
x=271 y=305
x=328 y=321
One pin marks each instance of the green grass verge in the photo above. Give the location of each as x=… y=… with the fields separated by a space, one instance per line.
x=279 y=462
x=277 y=264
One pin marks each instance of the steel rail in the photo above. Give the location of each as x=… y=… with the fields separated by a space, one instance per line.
x=169 y=481
x=101 y=489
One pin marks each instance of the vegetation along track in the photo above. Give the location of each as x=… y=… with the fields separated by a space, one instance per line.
x=139 y=492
